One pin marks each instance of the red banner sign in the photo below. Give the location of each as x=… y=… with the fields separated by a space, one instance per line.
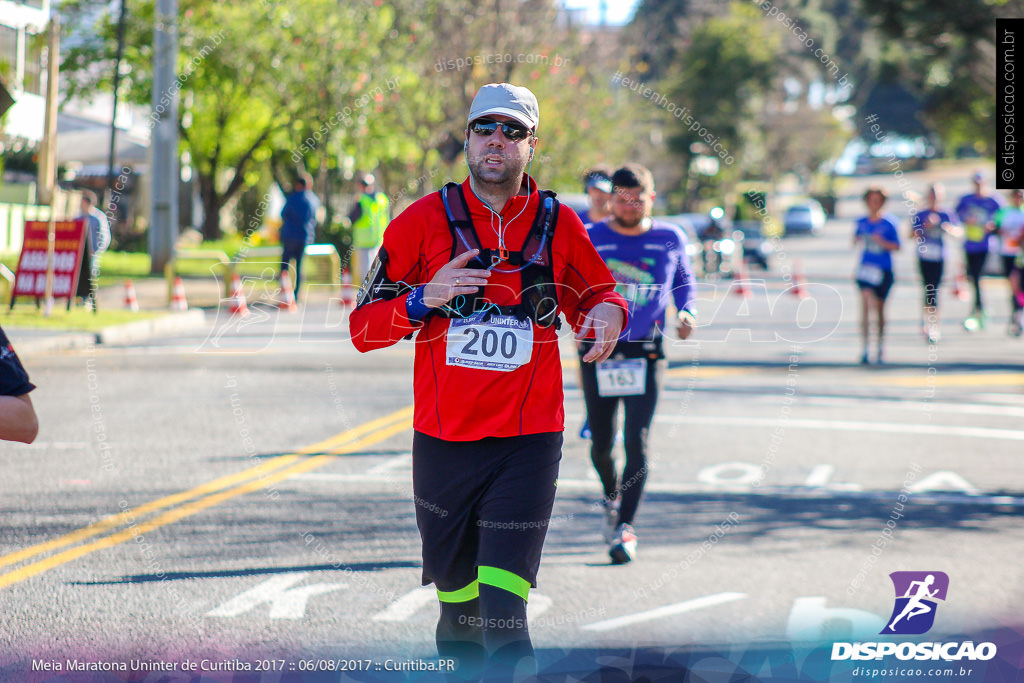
x=67 y=259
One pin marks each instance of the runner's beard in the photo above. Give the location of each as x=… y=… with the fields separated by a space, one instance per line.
x=628 y=224
x=508 y=176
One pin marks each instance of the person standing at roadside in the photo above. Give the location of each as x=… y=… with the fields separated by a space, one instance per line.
x=877 y=237
x=976 y=212
x=97 y=241
x=648 y=260
x=479 y=273
x=369 y=217
x=298 y=226
x=928 y=227
x=1009 y=222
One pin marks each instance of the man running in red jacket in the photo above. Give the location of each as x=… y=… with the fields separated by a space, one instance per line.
x=479 y=272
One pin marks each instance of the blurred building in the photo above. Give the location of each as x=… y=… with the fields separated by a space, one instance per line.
x=22 y=46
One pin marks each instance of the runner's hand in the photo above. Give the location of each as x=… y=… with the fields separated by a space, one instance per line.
x=606 y=320
x=684 y=328
x=454 y=279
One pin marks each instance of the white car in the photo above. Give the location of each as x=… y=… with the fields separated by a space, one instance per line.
x=807 y=218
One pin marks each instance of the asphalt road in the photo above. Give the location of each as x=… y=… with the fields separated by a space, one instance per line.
x=242 y=497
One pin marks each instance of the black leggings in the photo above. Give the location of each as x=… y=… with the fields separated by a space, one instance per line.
x=931 y=274
x=1010 y=265
x=975 y=264
x=601 y=411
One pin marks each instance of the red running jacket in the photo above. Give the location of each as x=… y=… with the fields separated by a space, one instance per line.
x=465 y=403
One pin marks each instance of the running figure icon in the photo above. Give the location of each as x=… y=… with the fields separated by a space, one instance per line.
x=917 y=595
x=915 y=606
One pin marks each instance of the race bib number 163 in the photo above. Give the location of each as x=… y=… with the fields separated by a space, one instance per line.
x=501 y=344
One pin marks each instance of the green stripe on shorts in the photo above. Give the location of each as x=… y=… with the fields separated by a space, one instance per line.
x=501 y=578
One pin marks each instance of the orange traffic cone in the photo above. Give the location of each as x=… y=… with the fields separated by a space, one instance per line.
x=960 y=287
x=287 y=302
x=237 y=306
x=131 y=302
x=178 y=301
x=799 y=288
x=348 y=297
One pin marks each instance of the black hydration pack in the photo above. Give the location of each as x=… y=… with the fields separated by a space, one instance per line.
x=539 y=300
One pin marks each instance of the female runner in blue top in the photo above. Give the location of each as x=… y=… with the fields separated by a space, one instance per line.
x=878 y=237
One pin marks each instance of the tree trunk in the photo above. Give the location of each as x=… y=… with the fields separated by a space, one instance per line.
x=211 y=208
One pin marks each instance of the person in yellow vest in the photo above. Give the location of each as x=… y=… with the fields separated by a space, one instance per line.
x=369 y=216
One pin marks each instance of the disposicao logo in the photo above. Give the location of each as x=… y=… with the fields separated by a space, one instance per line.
x=916 y=596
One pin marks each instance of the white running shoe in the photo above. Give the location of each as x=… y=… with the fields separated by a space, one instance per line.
x=623 y=547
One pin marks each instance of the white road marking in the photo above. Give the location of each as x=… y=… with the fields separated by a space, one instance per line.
x=407 y=605
x=820 y=475
x=849 y=426
x=944 y=480
x=835 y=490
x=666 y=611
x=285 y=602
x=810 y=617
x=922 y=407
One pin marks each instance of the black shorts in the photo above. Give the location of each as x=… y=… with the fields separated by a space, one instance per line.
x=881 y=290
x=483 y=503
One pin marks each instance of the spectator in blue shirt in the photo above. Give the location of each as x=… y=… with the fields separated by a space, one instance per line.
x=298 y=226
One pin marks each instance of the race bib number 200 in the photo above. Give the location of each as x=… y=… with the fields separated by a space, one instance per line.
x=502 y=343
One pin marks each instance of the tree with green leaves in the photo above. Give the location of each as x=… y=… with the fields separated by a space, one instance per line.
x=729 y=64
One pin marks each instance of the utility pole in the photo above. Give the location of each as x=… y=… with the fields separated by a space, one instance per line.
x=46 y=175
x=111 y=174
x=47 y=171
x=163 y=224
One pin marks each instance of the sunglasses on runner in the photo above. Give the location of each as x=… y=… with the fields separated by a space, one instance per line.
x=513 y=131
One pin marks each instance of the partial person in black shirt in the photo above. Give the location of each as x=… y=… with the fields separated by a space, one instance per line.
x=18 y=420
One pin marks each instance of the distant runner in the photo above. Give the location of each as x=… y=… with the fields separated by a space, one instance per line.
x=651 y=267
x=976 y=212
x=878 y=237
x=1009 y=222
x=928 y=227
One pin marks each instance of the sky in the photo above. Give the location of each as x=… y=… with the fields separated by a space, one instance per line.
x=619 y=11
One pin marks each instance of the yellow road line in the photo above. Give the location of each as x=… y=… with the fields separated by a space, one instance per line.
x=940 y=379
x=260 y=470
x=179 y=513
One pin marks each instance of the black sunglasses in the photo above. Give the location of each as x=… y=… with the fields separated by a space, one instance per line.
x=512 y=131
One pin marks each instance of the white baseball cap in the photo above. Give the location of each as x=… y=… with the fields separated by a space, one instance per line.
x=510 y=100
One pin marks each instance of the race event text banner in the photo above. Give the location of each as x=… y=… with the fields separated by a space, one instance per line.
x=1009 y=133
x=68 y=248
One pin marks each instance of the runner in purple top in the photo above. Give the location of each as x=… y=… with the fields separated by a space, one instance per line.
x=929 y=225
x=878 y=237
x=977 y=213
x=651 y=268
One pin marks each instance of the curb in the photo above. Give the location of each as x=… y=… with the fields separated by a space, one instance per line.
x=115 y=334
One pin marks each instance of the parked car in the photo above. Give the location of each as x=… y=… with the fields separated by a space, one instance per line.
x=806 y=218
x=754 y=247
